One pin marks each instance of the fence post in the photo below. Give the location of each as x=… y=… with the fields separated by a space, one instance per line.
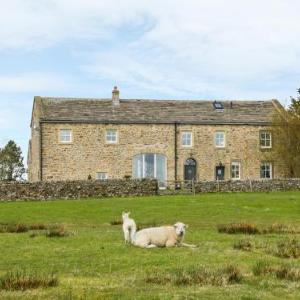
x=193 y=187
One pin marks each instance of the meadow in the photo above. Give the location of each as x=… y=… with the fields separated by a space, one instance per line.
x=248 y=248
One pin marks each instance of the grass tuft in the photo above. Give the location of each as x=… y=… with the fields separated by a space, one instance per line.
x=197 y=276
x=24 y=280
x=288 y=248
x=262 y=267
x=246 y=228
x=281 y=229
x=243 y=244
x=59 y=231
x=20 y=227
x=236 y=228
x=115 y=222
x=285 y=271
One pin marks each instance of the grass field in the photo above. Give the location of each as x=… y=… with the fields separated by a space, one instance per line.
x=94 y=263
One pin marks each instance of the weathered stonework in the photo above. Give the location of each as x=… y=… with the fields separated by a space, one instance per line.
x=248 y=186
x=89 y=153
x=149 y=127
x=76 y=189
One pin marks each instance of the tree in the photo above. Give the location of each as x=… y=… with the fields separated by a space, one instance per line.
x=286 y=136
x=11 y=162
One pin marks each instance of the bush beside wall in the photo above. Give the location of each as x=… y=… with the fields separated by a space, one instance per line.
x=76 y=189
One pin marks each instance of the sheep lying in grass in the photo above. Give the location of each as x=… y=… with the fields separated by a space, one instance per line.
x=165 y=236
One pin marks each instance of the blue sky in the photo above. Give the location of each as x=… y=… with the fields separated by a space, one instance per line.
x=171 y=49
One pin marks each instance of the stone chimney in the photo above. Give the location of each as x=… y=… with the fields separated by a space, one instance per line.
x=115 y=96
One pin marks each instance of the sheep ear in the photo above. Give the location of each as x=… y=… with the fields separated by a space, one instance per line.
x=186 y=226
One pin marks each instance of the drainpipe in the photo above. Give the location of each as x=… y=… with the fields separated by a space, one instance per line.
x=41 y=152
x=175 y=151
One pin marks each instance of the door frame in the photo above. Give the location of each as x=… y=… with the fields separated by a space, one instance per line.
x=185 y=165
x=222 y=167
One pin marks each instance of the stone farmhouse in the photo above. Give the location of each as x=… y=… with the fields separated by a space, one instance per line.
x=77 y=139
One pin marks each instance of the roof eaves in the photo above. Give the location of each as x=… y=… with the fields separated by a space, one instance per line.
x=70 y=121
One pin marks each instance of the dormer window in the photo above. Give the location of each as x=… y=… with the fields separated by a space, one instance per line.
x=218 y=105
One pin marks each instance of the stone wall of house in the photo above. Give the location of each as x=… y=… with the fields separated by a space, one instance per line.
x=76 y=189
x=89 y=153
x=248 y=186
x=33 y=158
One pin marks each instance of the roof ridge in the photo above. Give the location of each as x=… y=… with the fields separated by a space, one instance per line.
x=156 y=100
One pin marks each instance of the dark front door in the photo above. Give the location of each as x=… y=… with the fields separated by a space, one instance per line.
x=220 y=172
x=190 y=169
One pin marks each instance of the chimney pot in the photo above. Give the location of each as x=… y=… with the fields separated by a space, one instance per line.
x=116 y=96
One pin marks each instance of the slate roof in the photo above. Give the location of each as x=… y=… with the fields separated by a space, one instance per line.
x=74 y=110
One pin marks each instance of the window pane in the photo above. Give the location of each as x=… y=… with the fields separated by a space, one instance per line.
x=111 y=135
x=186 y=138
x=138 y=166
x=265 y=139
x=266 y=170
x=101 y=176
x=160 y=167
x=220 y=139
x=149 y=166
x=235 y=170
x=65 y=135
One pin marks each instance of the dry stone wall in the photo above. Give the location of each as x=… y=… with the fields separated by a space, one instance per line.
x=76 y=189
x=248 y=185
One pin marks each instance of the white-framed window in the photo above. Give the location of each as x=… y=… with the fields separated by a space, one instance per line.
x=150 y=165
x=187 y=139
x=265 y=138
x=220 y=139
x=111 y=136
x=266 y=170
x=101 y=176
x=65 y=136
x=235 y=170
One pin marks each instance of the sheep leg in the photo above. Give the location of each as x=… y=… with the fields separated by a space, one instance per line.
x=187 y=245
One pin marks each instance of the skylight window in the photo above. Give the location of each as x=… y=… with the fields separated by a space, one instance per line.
x=218 y=105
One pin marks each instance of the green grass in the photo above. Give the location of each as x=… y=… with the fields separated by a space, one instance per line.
x=94 y=263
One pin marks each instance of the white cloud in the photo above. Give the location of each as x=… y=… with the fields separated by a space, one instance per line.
x=33 y=83
x=229 y=48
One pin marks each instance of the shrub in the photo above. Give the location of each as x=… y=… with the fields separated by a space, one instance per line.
x=23 y=280
x=236 y=228
x=243 y=244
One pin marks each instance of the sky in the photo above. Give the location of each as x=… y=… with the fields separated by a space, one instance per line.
x=167 y=49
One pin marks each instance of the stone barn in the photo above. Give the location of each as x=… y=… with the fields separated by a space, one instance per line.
x=77 y=139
